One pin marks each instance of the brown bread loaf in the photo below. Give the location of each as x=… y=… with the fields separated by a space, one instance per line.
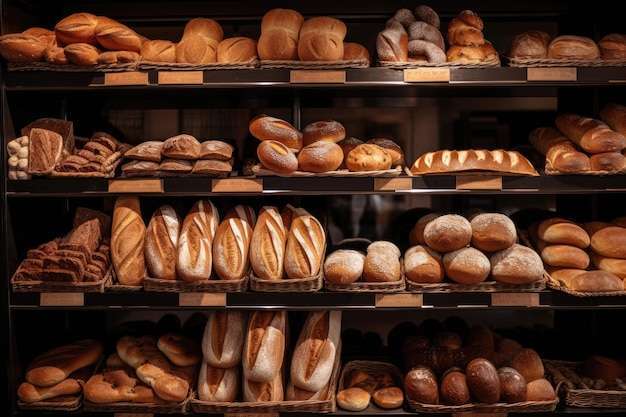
x=453 y=388
x=77 y=28
x=116 y=36
x=277 y=157
x=320 y=156
x=614 y=115
x=221 y=340
x=423 y=265
x=353 y=399
x=45 y=149
x=231 y=244
x=218 y=384
x=420 y=384
x=613 y=46
x=368 y=157
x=573 y=47
x=280 y=29
x=596 y=281
x=30 y=393
x=264 y=346
x=492 y=232
x=128 y=232
x=517 y=264
x=21 y=47
x=181 y=350
x=528 y=363
x=562 y=155
x=344 y=266
x=563 y=231
x=561 y=255
x=306 y=244
x=236 y=49
x=513 y=386
x=466 y=265
x=158 y=50
x=119 y=385
x=448 y=232
x=161 y=242
x=532 y=44
x=264 y=127
x=321 y=39
x=261 y=392
x=483 y=381
x=268 y=242
x=497 y=160
x=540 y=390
x=592 y=135
x=609 y=241
x=194 y=255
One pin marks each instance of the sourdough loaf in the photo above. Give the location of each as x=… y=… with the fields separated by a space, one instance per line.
x=305 y=247
x=268 y=241
x=231 y=244
x=264 y=346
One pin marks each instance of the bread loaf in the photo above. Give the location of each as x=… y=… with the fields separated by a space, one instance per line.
x=592 y=135
x=382 y=262
x=513 y=387
x=320 y=156
x=264 y=127
x=231 y=244
x=264 y=346
x=262 y=392
x=45 y=149
x=368 y=157
x=454 y=389
x=119 y=385
x=596 y=281
x=77 y=28
x=30 y=393
x=609 y=241
x=344 y=266
x=56 y=364
x=483 y=381
x=306 y=244
x=517 y=264
x=540 y=390
x=615 y=266
x=353 y=51
x=573 y=47
x=83 y=54
x=116 y=36
x=420 y=384
x=564 y=256
x=21 y=47
x=158 y=50
x=268 y=242
x=392 y=44
x=194 y=252
x=314 y=355
x=353 y=399
x=327 y=130
x=492 y=232
x=221 y=340
x=423 y=265
x=321 y=39
x=128 y=233
x=416 y=235
x=161 y=242
x=614 y=115
x=448 y=232
x=563 y=231
x=236 y=49
x=532 y=44
x=218 y=384
x=466 y=265
x=562 y=155
x=181 y=350
x=447 y=161
x=613 y=46
x=528 y=363
x=280 y=29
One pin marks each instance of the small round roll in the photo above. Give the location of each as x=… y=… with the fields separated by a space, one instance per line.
x=277 y=157
x=493 y=232
x=320 y=156
x=327 y=130
x=264 y=127
x=353 y=399
x=344 y=266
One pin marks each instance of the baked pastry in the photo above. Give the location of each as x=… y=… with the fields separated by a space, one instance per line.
x=368 y=157
x=277 y=157
x=320 y=156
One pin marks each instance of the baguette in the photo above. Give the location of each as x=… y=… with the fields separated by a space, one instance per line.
x=127 y=241
x=306 y=243
x=221 y=340
x=194 y=259
x=592 y=135
x=264 y=346
x=562 y=155
x=313 y=358
x=449 y=161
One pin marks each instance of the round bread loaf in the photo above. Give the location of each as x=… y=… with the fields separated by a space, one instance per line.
x=385 y=246
x=454 y=389
x=321 y=39
x=416 y=236
x=388 y=398
x=528 y=363
x=393 y=149
x=483 y=380
x=320 y=157
x=610 y=241
x=420 y=384
x=563 y=275
x=277 y=157
x=532 y=44
x=344 y=266
x=492 y=232
x=517 y=264
x=512 y=385
x=264 y=127
x=237 y=49
x=327 y=130
x=564 y=231
x=355 y=51
x=448 y=232
x=368 y=157
x=423 y=264
x=540 y=390
x=573 y=47
x=613 y=46
x=382 y=262
x=353 y=399
x=279 y=34
x=466 y=265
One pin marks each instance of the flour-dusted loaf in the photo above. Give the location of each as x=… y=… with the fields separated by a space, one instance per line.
x=321 y=39
x=449 y=161
x=517 y=264
x=231 y=244
x=423 y=265
x=264 y=127
x=269 y=237
x=161 y=242
x=128 y=232
x=194 y=259
x=306 y=244
x=531 y=44
x=218 y=384
x=314 y=355
x=264 y=346
x=344 y=266
x=573 y=47
x=222 y=338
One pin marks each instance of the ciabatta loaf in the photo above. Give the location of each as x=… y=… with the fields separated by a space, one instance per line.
x=194 y=260
x=449 y=161
x=221 y=340
x=264 y=345
x=128 y=232
x=313 y=358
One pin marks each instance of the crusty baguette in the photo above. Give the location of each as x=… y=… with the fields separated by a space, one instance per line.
x=562 y=155
x=264 y=346
x=128 y=232
x=221 y=340
x=161 y=242
x=306 y=243
x=592 y=135
x=268 y=242
x=194 y=259
x=313 y=358
x=231 y=244
x=449 y=161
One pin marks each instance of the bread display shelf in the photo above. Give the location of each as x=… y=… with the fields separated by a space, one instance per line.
x=317 y=65
x=545 y=62
x=499 y=408
x=485 y=286
x=74 y=287
x=209 y=286
x=308 y=284
x=174 y=66
x=259 y=170
x=574 y=395
x=411 y=65
x=45 y=66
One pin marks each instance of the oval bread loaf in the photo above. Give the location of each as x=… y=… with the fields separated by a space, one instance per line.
x=264 y=346
x=194 y=260
x=268 y=242
x=222 y=336
x=128 y=232
x=161 y=242
x=304 y=251
x=231 y=245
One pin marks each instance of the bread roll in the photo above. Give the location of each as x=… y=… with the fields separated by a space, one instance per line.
x=353 y=51
x=454 y=389
x=448 y=232
x=564 y=256
x=181 y=146
x=393 y=149
x=128 y=233
x=83 y=54
x=562 y=155
x=161 y=242
x=196 y=49
x=563 y=275
x=77 y=28
x=420 y=384
x=368 y=157
x=321 y=39
x=264 y=346
x=236 y=49
x=264 y=127
x=616 y=266
x=326 y=130
x=382 y=262
x=592 y=135
x=218 y=384
x=277 y=157
x=304 y=251
x=221 y=340
x=268 y=241
x=56 y=364
x=465 y=29
x=344 y=266
x=30 y=393
x=528 y=363
x=280 y=29
x=540 y=390
x=158 y=50
x=313 y=358
x=532 y=44
x=513 y=386
x=492 y=232
x=573 y=47
x=609 y=241
x=320 y=156
x=483 y=381
x=596 y=281
x=613 y=46
x=423 y=265
x=608 y=162
x=194 y=260
x=181 y=350
x=388 y=398
x=517 y=264
x=353 y=399
x=466 y=265
x=231 y=245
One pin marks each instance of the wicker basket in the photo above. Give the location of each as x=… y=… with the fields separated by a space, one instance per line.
x=577 y=391
x=362 y=286
x=212 y=285
x=177 y=66
x=308 y=284
x=551 y=62
x=412 y=65
x=130 y=407
x=500 y=408
x=373 y=368
x=45 y=66
x=295 y=64
x=48 y=286
x=485 y=286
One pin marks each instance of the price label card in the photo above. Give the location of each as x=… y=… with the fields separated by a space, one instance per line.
x=235 y=185
x=126 y=78
x=180 y=77
x=426 y=75
x=392 y=184
x=317 y=76
x=62 y=299
x=517 y=299
x=202 y=299
x=399 y=300
x=478 y=182
x=136 y=186
x=551 y=74
x=251 y=414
